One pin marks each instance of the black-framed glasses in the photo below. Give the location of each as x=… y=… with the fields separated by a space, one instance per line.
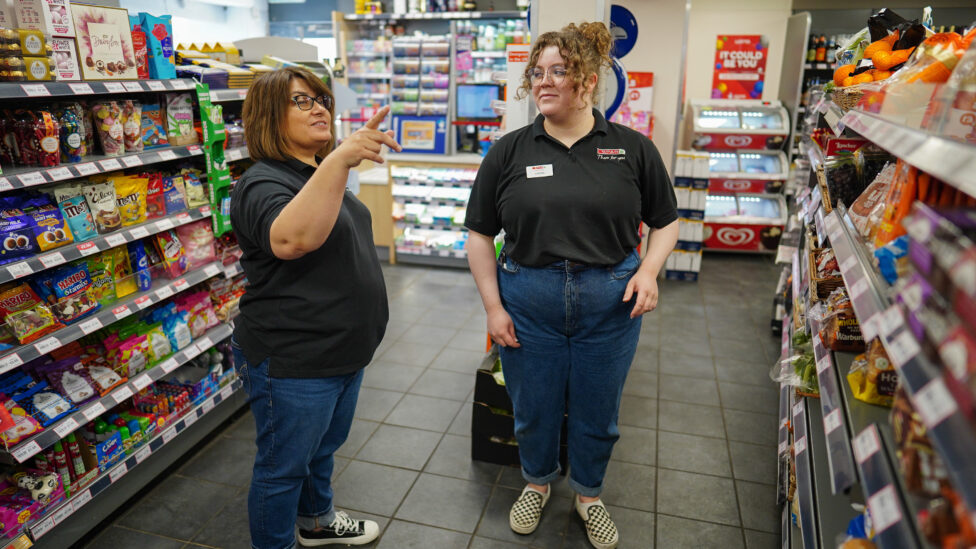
x=305 y=102
x=556 y=73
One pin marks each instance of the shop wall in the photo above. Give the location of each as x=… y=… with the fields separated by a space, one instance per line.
x=202 y=22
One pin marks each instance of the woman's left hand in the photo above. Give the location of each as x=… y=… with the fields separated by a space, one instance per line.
x=644 y=285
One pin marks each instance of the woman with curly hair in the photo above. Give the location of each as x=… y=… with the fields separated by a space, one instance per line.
x=566 y=295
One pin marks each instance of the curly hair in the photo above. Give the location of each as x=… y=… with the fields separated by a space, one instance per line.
x=585 y=47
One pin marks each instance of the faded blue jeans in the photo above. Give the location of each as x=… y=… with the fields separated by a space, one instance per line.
x=577 y=343
x=300 y=425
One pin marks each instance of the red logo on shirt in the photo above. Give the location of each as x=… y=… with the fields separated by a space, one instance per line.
x=610 y=154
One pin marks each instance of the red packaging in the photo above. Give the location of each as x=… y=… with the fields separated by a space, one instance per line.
x=141 y=52
x=155 y=199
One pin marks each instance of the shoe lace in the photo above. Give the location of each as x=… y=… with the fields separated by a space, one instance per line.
x=343 y=523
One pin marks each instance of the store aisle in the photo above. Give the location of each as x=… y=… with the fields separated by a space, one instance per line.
x=695 y=465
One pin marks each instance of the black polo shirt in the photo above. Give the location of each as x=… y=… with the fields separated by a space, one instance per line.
x=583 y=203
x=322 y=314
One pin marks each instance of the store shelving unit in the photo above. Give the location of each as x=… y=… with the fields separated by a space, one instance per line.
x=63 y=524
x=446 y=15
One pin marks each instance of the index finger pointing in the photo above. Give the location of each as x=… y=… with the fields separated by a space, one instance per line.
x=374 y=122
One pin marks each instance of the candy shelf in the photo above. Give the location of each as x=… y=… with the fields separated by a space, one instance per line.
x=437 y=15
x=951 y=161
x=46 y=438
x=17 y=90
x=804 y=476
x=24 y=177
x=436 y=258
x=423 y=227
x=67 y=523
x=834 y=430
x=220 y=96
x=58 y=256
x=236 y=153
x=370 y=76
x=161 y=290
x=431 y=202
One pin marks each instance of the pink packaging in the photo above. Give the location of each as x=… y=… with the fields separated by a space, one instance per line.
x=198 y=243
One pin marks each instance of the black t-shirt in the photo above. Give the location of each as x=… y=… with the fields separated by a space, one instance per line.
x=322 y=314
x=583 y=203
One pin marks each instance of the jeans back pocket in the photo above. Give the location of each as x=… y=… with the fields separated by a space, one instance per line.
x=507 y=264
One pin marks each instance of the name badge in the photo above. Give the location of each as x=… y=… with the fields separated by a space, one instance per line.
x=542 y=170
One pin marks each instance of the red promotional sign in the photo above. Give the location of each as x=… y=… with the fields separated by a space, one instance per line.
x=740 y=66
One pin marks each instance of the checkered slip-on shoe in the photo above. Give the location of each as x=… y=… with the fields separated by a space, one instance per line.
x=599 y=526
x=527 y=510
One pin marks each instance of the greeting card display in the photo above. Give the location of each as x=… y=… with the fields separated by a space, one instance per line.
x=104 y=42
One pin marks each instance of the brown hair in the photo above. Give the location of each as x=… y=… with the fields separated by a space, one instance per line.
x=266 y=107
x=585 y=47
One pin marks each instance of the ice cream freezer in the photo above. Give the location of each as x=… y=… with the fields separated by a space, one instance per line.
x=744 y=222
x=747 y=171
x=728 y=125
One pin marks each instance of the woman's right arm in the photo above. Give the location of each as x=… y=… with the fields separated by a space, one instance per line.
x=481 y=261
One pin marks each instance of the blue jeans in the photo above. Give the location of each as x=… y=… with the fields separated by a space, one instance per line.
x=577 y=343
x=300 y=425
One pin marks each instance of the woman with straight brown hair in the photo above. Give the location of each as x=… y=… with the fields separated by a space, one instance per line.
x=315 y=307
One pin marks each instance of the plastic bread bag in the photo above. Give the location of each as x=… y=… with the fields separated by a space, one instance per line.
x=130 y=192
x=132 y=126
x=24 y=424
x=873 y=377
x=198 y=243
x=103 y=205
x=179 y=119
x=870 y=204
x=108 y=122
x=26 y=316
x=17 y=232
x=840 y=330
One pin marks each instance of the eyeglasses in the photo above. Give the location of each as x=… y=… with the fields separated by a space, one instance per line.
x=305 y=102
x=555 y=73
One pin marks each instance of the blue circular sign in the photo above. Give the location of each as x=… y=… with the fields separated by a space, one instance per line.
x=623 y=28
x=620 y=77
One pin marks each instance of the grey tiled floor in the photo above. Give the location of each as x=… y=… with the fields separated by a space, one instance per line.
x=694 y=466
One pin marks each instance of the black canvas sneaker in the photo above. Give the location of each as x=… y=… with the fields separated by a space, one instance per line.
x=343 y=530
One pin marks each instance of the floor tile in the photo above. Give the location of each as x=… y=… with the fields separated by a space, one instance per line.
x=681 y=417
x=638 y=412
x=459 y=360
x=178 y=507
x=426 y=334
x=646 y=357
x=453 y=459
x=636 y=445
x=752 y=427
x=635 y=528
x=421 y=412
x=745 y=372
x=695 y=496
x=445 y=503
x=461 y=425
x=375 y=404
x=740 y=349
x=229 y=528
x=372 y=488
x=469 y=340
x=762 y=540
x=687 y=365
x=399 y=447
x=405 y=535
x=444 y=384
x=629 y=485
x=359 y=433
x=226 y=460
x=552 y=526
x=487 y=543
x=686 y=389
x=684 y=533
x=447 y=318
x=114 y=537
x=244 y=427
x=753 y=462
x=749 y=398
x=692 y=344
x=694 y=454
x=395 y=328
x=641 y=384
x=757 y=503
x=391 y=376
x=412 y=354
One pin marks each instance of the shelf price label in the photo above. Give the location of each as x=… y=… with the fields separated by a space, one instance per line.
x=141 y=382
x=18 y=270
x=164 y=292
x=902 y=349
x=45 y=346
x=66 y=427
x=170 y=365
x=26 y=451
x=42 y=527
x=832 y=421
x=783 y=448
x=181 y=284
x=87 y=248
x=121 y=394
x=890 y=321
x=5 y=184
x=90 y=325
x=93 y=411
x=58 y=174
x=143 y=453
x=208 y=405
x=52 y=260
x=110 y=164
x=35 y=90
x=121 y=312
x=167 y=155
x=191 y=351
x=81 y=499
x=131 y=161
x=138 y=232
x=81 y=88
x=88 y=168
x=869 y=328
x=885 y=511
x=190 y=419
x=164 y=225
x=115 y=239
x=10 y=361
x=120 y=470
x=800 y=445
x=934 y=403
x=849 y=263
x=143 y=302
x=226 y=391
x=133 y=86
x=823 y=363
x=169 y=434
x=114 y=87
x=866 y=444
x=859 y=288
x=30 y=179
x=178 y=84
x=211 y=270
x=194 y=149
x=64 y=512
x=156 y=85
x=798 y=409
